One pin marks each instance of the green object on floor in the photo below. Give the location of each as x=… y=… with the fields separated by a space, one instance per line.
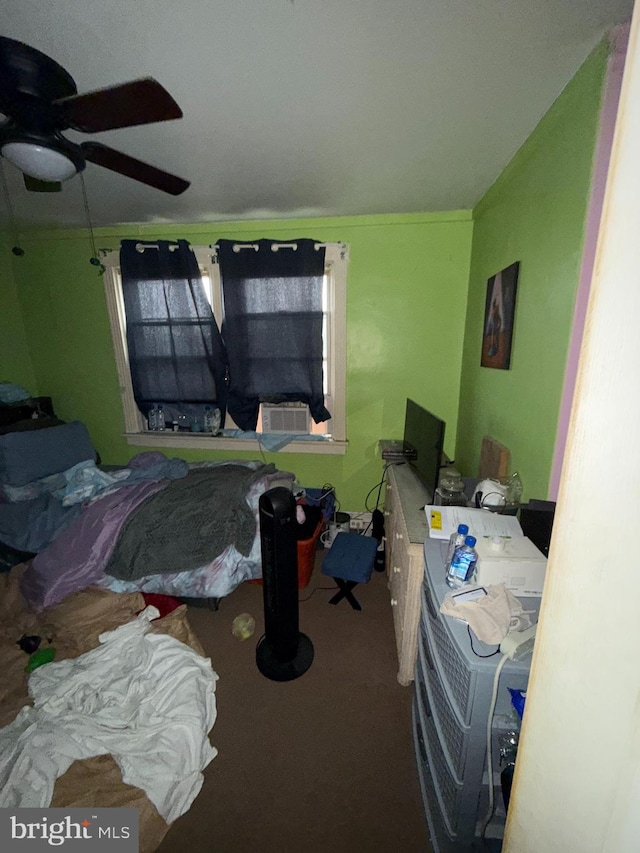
x=40 y=657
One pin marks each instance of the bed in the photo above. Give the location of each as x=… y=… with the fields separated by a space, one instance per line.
x=157 y=525
x=66 y=711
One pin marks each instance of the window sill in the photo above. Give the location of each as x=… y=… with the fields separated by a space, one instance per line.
x=201 y=441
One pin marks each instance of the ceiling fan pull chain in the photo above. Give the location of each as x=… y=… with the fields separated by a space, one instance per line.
x=17 y=250
x=94 y=260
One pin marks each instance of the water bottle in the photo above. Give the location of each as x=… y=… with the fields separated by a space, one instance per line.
x=208 y=419
x=153 y=418
x=456 y=538
x=160 y=418
x=463 y=563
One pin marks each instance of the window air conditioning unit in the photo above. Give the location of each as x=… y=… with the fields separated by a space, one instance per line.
x=285 y=418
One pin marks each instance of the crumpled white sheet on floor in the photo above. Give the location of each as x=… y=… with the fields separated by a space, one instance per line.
x=147 y=699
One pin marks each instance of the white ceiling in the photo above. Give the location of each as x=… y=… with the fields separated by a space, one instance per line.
x=296 y=108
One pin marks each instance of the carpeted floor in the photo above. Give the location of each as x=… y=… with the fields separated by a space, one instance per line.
x=323 y=763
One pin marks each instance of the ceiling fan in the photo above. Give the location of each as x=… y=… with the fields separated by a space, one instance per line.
x=39 y=99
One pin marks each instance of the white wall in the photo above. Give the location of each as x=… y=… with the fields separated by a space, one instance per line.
x=577 y=782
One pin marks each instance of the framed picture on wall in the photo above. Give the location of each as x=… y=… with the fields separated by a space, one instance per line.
x=499 y=315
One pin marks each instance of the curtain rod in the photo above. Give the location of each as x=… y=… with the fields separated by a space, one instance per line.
x=238 y=246
x=141 y=247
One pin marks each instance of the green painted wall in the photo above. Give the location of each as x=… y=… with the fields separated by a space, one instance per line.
x=534 y=213
x=15 y=360
x=406 y=304
x=415 y=313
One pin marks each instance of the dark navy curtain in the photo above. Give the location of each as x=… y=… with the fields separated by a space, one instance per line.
x=176 y=354
x=272 y=326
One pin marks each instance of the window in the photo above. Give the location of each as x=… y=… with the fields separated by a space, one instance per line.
x=334 y=358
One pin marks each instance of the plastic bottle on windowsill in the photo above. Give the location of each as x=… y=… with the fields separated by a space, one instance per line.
x=160 y=418
x=152 y=418
x=208 y=419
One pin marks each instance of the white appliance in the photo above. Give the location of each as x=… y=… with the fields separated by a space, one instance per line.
x=285 y=418
x=514 y=561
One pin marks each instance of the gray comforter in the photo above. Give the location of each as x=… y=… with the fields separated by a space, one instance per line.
x=188 y=524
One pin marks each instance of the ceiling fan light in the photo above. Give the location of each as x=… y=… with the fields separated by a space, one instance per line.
x=39 y=161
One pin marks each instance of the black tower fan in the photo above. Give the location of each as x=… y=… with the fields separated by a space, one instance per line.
x=283 y=653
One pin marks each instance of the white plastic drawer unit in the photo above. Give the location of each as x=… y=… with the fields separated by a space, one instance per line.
x=460 y=680
x=467 y=677
x=452 y=732
x=442 y=840
x=448 y=789
x=452 y=702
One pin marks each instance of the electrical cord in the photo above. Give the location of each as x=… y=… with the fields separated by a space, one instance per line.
x=330 y=588
x=262 y=449
x=492 y=708
x=497 y=651
x=327 y=489
x=377 y=486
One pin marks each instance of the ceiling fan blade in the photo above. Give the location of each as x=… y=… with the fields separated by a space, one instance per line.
x=35 y=185
x=101 y=155
x=141 y=101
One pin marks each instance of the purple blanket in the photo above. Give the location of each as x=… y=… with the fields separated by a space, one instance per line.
x=77 y=557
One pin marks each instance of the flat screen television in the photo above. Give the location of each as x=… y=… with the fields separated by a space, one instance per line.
x=424 y=433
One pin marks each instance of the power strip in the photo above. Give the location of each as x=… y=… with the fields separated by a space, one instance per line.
x=359 y=522
x=518 y=644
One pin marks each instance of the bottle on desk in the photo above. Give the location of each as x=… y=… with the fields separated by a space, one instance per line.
x=456 y=538
x=463 y=563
